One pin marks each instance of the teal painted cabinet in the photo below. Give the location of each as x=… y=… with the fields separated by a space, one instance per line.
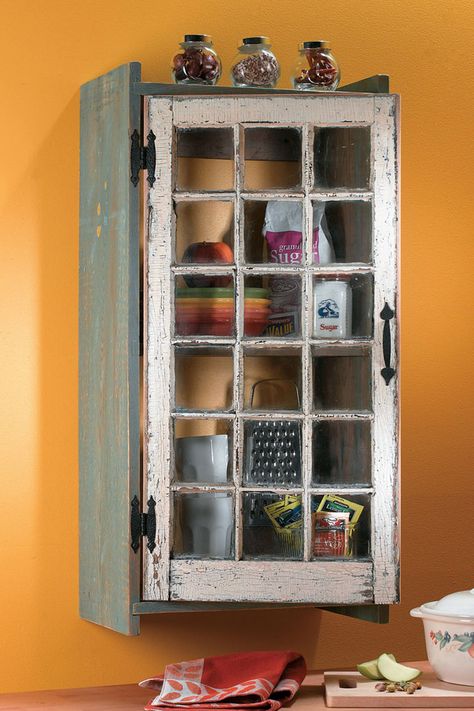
x=238 y=349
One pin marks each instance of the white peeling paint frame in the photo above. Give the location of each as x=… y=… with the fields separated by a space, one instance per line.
x=158 y=320
x=386 y=431
x=305 y=581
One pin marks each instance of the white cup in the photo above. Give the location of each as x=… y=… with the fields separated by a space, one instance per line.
x=207 y=524
x=204 y=459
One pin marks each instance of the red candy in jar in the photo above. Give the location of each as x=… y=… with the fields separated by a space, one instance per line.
x=197 y=63
x=317 y=69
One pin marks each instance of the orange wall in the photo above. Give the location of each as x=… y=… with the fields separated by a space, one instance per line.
x=48 y=49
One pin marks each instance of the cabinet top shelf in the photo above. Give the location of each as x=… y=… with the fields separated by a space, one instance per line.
x=376 y=84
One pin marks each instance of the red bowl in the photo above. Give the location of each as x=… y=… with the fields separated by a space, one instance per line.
x=197 y=322
x=201 y=325
x=255 y=325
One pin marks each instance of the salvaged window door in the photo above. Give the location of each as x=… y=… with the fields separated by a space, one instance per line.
x=270 y=386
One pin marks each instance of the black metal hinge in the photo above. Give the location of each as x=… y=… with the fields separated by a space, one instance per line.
x=142 y=525
x=142 y=158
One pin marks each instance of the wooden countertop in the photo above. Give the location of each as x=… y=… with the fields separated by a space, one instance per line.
x=132 y=698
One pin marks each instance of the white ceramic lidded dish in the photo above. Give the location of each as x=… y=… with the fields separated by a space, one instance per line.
x=449 y=636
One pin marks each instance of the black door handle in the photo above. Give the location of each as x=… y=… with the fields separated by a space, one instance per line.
x=386 y=315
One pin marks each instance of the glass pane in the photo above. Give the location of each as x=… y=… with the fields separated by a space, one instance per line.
x=204 y=525
x=203 y=451
x=362 y=288
x=342 y=158
x=342 y=453
x=343 y=306
x=342 y=382
x=273 y=232
x=341 y=526
x=272 y=453
x=346 y=227
x=256 y=306
x=272 y=526
x=205 y=232
x=205 y=159
x=204 y=378
x=255 y=245
x=273 y=306
x=205 y=310
x=272 y=158
x=272 y=379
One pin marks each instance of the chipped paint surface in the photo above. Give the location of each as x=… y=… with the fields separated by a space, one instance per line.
x=264 y=581
x=157 y=339
x=345 y=582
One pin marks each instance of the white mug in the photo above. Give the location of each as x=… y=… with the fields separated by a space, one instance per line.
x=207 y=524
x=204 y=459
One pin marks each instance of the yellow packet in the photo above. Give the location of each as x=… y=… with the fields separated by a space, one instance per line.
x=329 y=502
x=287 y=516
x=275 y=506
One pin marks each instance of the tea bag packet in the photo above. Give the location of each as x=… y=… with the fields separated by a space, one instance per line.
x=338 y=504
x=285 y=514
x=331 y=534
x=334 y=513
x=283 y=232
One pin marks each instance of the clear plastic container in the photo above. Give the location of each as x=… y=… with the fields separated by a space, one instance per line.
x=316 y=69
x=255 y=64
x=197 y=63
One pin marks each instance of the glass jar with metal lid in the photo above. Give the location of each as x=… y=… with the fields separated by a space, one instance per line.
x=316 y=69
x=255 y=64
x=197 y=63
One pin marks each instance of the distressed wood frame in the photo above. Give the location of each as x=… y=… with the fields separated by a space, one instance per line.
x=318 y=582
x=109 y=323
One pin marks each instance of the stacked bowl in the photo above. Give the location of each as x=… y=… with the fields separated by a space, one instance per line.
x=210 y=311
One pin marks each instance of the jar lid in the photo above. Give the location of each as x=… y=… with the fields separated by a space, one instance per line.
x=256 y=40
x=313 y=44
x=198 y=38
x=458 y=604
x=341 y=276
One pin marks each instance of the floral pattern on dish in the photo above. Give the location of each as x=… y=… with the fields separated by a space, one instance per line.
x=465 y=641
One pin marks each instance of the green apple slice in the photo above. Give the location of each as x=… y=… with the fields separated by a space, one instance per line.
x=371 y=670
x=393 y=671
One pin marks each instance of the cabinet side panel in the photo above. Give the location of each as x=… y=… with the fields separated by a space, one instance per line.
x=109 y=450
x=385 y=510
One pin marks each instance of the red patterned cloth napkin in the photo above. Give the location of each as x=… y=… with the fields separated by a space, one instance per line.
x=256 y=680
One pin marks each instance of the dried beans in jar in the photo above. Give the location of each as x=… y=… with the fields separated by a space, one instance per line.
x=197 y=63
x=316 y=69
x=255 y=64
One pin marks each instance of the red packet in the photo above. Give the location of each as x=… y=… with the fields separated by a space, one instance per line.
x=331 y=534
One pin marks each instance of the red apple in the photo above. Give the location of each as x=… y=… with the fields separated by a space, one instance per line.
x=208 y=253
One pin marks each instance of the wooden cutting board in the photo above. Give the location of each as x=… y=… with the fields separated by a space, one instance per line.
x=352 y=690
